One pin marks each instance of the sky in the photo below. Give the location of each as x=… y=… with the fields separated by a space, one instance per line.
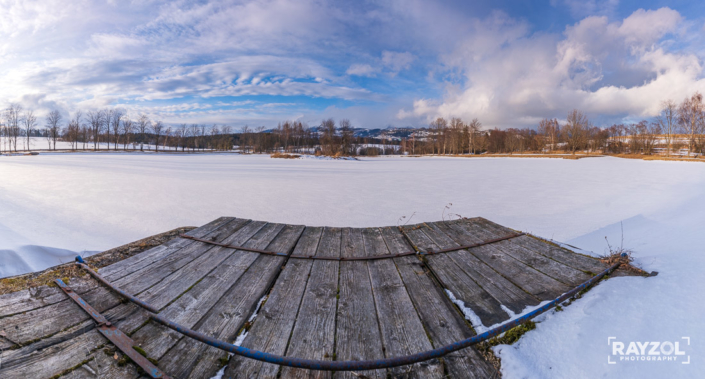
x=378 y=63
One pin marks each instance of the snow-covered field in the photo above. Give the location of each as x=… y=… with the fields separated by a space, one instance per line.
x=53 y=205
x=42 y=144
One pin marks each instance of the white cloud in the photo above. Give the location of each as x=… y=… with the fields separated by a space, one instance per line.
x=583 y=8
x=88 y=53
x=362 y=70
x=396 y=61
x=613 y=69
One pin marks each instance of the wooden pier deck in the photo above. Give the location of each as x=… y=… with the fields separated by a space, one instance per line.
x=305 y=308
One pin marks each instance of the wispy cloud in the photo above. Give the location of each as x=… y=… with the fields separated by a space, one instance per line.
x=400 y=62
x=606 y=68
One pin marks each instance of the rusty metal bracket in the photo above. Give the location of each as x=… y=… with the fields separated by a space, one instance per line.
x=115 y=335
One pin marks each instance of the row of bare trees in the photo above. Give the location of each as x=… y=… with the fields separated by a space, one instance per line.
x=110 y=126
x=678 y=126
x=19 y=125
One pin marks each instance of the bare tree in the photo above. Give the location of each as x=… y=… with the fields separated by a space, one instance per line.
x=575 y=131
x=328 y=138
x=53 y=120
x=227 y=139
x=346 y=137
x=117 y=116
x=96 y=119
x=127 y=129
x=13 y=113
x=85 y=134
x=668 y=122
x=107 y=119
x=30 y=122
x=157 y=129
x=439 y=126
x=167 y=137
x=142 y=126
x=473 y=130
x=194 y=134
x=549 y=129
x=182 y=133
x=73 y=131
x=690 y=117
x=455 y=132
x=244 y=138
x=203 y=136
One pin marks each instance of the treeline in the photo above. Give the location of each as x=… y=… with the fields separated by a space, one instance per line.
x=113 y=129
x=678 y=126
x=325 y=139
x=110 y=127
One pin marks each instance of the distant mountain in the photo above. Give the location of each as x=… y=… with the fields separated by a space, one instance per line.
x=389 y=133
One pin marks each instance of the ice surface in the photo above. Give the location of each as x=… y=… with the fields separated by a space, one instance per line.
x=93 y=202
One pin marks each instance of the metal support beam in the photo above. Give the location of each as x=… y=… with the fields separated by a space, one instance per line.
x=115 y=335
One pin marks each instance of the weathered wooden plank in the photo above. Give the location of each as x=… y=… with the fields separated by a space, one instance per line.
x=192 y=305
x=581 y=262
x=506 y=292
x=189 y=358
x=532 y=281
x=5 y=343
x=549 y=267
x=104 y=366
x=442 y=321
x=401 y=329
x=556 y=270
x=18 y=355
x=180 y=281
x=141 y=260
x=53 y=349
x=272 y=328
x=357 y=330
x=456 y=280
x=48 y=320
x=54 y=359
x=42 y=296
x=567 y=257
x=148 y=276
x=313 y=336
x=33 y=298
x=197 y=302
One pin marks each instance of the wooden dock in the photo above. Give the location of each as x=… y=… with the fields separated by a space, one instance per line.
x=305 y=308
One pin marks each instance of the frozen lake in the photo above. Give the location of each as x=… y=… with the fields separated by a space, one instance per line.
x=53 y=205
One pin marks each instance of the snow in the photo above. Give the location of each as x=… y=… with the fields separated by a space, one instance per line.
x=41 y=144
x=475 y=320
x=469 y=314
x=53 y=205
x=241 y=337
x=325 y=158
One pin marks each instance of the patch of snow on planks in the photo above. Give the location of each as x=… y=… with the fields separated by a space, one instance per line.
x=475 y=319
x=241 y=337
x=513 y=316
x=469 y=314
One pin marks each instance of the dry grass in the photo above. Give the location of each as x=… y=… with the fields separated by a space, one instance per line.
x=69 y=270
x=284 y=156
x=533 y=155
x=620 y=254
x=511 y=336
x=657 y=158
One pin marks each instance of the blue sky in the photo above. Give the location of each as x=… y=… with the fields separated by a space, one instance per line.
x=398 y=63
